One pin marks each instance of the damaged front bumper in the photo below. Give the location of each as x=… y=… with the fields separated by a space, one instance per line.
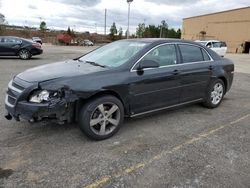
x=17 y=105
x=33 y=112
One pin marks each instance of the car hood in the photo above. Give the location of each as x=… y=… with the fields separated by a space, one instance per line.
x=57 y=70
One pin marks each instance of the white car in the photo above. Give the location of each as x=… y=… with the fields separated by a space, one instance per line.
x=88 y=43
x=218 y=46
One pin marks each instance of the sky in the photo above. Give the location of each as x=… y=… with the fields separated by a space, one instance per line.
x=88 y=15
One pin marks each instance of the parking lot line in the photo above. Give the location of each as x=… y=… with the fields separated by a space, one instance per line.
x=133 y=168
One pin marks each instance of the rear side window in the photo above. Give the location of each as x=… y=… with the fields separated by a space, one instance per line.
x=191 y=53
x=205 y=55
x=10 y=40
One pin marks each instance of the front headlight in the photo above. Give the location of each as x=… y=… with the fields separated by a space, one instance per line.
x=40 y=96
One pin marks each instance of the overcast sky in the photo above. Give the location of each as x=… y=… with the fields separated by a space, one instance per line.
x=88 y=15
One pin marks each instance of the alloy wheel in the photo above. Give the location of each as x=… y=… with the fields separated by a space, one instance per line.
x=217 y=93
x=105 y=118
x=24 y=54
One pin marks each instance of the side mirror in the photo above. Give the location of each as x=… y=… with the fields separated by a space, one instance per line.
x=148 y=64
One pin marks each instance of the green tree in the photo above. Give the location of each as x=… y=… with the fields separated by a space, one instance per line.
x=140 y=30
x=113 y=31
x=152 y=31
x=43 y=25
x=178 y=33
x=172 y=33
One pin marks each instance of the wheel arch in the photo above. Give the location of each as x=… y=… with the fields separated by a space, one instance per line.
x=23 y=48
x=224 y=81
x=81 y=101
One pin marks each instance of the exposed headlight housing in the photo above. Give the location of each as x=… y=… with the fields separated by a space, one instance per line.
x=39 y=96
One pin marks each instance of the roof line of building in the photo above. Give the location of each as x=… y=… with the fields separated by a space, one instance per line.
x=217 y=12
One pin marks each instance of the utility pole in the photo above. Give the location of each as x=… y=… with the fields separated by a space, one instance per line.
x=105 y=21
x=129 y=2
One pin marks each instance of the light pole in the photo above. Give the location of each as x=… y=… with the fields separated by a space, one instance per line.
x=129 y=2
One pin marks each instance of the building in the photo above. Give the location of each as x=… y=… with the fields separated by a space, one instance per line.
x=232 y=26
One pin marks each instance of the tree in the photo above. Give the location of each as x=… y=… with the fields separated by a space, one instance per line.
x=69 y=31
x=152 y=31
x=178 y=33
x=140 y=30
x=163 y=29
x=113 y=31
x=43 y=25
x=3 y=22
x=120 y=33
x=2 y=19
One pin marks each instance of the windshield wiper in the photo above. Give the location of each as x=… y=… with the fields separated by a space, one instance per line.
x=92 y=63
x=95 y=64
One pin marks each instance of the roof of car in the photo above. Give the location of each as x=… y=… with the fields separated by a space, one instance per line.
x=156 y=39
x=16 y=37
x=161 y=40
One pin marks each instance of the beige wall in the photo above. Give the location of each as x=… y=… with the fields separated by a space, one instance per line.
x=233 y=27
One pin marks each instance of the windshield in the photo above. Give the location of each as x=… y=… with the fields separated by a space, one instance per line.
x=114 y=54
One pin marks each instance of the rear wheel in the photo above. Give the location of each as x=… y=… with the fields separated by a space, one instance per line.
x=215 y=94
x=24 y=54
x=101 y=118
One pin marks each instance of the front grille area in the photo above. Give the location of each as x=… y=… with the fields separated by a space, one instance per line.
x=14 y=90
x=15 y=85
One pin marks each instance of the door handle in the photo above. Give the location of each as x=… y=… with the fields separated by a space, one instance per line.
x=210 y=67
x=176 y=72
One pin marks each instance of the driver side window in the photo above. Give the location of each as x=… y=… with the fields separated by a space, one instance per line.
x=164 y=55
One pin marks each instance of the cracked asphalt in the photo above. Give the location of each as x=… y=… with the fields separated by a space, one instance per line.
x=182 y=148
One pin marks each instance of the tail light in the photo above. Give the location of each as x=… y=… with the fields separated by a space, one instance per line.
x=36 y=45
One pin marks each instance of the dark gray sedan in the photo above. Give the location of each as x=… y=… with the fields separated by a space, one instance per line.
x=124 y=78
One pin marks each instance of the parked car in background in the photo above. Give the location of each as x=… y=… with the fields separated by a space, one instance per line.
x=37 y=39
x=15 y=46
x=218 y=46
x=124 y=78
x=87 y=43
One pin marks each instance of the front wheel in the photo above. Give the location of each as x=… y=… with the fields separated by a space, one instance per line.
x=101 y=118
x=215 y=94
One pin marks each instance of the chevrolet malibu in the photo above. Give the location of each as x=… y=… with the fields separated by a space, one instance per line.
x=126 y=78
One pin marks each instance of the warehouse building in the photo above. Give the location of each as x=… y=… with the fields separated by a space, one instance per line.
x=232 y=27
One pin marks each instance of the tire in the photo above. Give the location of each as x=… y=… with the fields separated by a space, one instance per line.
x=24 y=54
x=102 y=117
x=215 y=94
